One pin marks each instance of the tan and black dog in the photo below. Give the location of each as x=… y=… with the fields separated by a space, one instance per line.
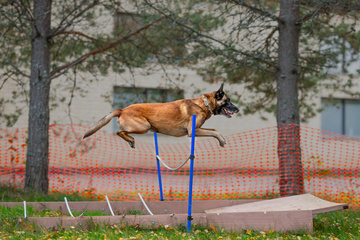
x=173 y=118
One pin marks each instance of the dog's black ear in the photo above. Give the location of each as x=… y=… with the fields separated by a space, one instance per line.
x=219 y=94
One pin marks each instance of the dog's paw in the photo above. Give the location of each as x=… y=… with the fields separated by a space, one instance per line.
x=222 y=142
x=132 y=144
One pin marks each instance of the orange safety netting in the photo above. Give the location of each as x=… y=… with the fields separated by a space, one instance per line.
x=248 y=166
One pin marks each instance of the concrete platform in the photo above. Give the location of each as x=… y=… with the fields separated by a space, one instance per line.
x=294 y=203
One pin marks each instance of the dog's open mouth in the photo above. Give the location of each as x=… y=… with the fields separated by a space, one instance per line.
x=227 y=113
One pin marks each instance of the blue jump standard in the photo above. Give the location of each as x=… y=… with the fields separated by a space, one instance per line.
x=158 y=167
x=192 y=157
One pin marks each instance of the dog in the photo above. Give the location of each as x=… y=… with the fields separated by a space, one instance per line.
x=172 y=118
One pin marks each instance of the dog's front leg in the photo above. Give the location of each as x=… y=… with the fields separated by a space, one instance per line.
x=205 y=132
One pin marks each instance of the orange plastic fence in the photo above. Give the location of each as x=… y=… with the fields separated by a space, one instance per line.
x=248 y=166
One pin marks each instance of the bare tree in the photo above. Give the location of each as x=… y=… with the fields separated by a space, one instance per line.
x=72 y=43
x=260 y=48
x=37 y=154
x=287 y=113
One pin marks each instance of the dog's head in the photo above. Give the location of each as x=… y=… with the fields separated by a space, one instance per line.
x=223 y=105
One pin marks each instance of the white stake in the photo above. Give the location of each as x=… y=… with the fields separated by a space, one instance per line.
x=25 y=209
x=142 y=200
x=68 y=208
x=107 y=200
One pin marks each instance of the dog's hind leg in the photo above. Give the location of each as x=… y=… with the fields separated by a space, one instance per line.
x=132 y=124
x=124 y=135
x=132 y=129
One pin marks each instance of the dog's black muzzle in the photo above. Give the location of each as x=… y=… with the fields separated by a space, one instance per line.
x=229 y=109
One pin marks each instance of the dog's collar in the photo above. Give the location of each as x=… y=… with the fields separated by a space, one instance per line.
x=207 y=104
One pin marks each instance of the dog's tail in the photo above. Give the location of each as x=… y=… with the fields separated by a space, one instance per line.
x=102 y=122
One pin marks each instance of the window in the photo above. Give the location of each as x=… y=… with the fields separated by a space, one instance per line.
x=125 y=96
x=341 y=116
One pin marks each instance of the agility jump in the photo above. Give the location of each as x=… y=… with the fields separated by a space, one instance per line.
x=191 y=157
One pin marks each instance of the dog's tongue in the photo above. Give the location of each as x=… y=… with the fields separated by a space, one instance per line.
x=228 y=112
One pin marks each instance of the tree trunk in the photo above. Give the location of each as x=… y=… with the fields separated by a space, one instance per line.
x=37 y=161
x=288 y=120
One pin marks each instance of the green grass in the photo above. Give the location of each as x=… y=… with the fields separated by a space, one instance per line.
x=101 y=213
x=335 y=225
x=18 y=211
x=205 y=195
x=12 y=194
